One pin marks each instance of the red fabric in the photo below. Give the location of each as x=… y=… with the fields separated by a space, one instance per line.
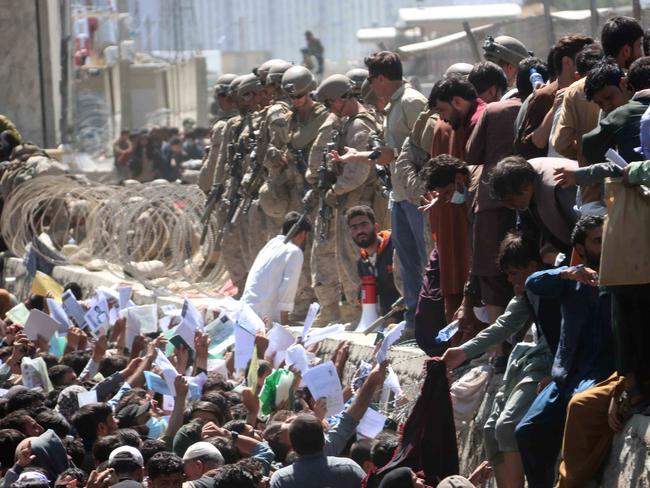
x=428 y=438
x=449 y=222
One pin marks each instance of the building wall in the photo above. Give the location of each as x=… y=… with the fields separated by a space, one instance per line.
x=29 y=29
x=274 y=25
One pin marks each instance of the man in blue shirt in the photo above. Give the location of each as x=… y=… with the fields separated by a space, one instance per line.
x=584 y=356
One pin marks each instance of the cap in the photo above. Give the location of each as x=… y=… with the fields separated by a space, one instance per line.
x=455 y=481
x=276 y=71
x=263 y=69
x=125 y=453
x=126 y=415
x=203 y=450
x=504 y=48
x=223 y=83
x=458 y=69
x=357 y=76
x=333 y=87
x=298 y=81
x=68 y=402
x=249 y=83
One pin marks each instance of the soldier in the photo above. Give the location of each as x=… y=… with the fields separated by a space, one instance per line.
x=227 y=109
x=506 y=51
x=291 y=132
x=234 y=157
x=270 y=74
x=357 y=76
x=355 y=181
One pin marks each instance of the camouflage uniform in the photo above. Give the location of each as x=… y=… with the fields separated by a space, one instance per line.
x=324 y=276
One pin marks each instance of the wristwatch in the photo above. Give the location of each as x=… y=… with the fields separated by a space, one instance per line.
x=234 y=435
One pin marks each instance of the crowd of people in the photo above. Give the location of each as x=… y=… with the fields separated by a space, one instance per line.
x=158 y=153
x=507 y=212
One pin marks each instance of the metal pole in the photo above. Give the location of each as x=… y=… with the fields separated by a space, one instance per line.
x=636 y=9
x=594 y=18
x=472 y=42
x=548 y=21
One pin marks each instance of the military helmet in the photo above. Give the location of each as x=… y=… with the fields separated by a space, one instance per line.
x=357 y=76
x=222 y=85
x=277 y=69
x=367 y=94
x=458 y=70
x=505 y=49
x=298 y=81
x=263 y=69
x=249 y=83
x=234 y=85
x=333 y=87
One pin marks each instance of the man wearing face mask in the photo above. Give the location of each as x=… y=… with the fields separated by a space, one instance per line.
x=134 y=414
x=456 y=101
x=272 y=281
x=447 y=179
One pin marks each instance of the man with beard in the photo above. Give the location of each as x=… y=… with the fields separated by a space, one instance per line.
x=584 y=356
x=376 y=259
x=272 y=281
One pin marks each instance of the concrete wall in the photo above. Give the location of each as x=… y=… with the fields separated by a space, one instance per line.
x=30 y=32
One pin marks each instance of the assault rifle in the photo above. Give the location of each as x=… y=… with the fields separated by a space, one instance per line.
x=325 y=181
x=383 y=172
x=308 y=206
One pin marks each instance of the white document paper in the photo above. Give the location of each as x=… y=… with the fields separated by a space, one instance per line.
x=34 y=372
x=371 y=424
x=323 y=382
x=40 y=324
x=146 y=316
x=244 y=344
x=220 y=329
x=87 y=397
x=171 y=310
x=190 y=314
x=74 y=309
x=317 y=335
x=108 y=293
x=309 y=319
x=169 y=372
x=124 y=296
x=168 y=403
x=247 y=315
x=185 y=330
x=297 y=356
x=97 y=317
x=58 y=314
x=389 y=340
x=280 y=339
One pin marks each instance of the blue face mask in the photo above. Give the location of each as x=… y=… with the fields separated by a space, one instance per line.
x=156 y=427
x=459 y=198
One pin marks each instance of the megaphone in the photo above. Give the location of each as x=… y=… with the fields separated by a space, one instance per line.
x=368 y=303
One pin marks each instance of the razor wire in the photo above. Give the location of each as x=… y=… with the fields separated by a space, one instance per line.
x=141 y=227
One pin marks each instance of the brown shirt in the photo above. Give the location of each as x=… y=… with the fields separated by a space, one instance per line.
x=540 y=103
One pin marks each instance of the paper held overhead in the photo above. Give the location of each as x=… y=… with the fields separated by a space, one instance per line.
x=39 y=324
x=43 y=284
